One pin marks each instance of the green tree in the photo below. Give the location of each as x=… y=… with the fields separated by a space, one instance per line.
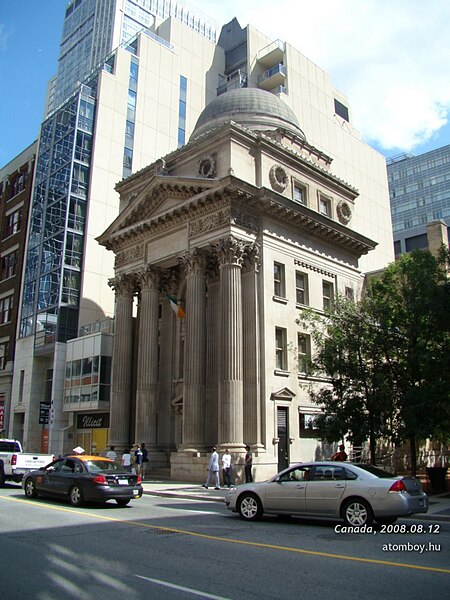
x=354 y=401
x=387 y=357
x=411 y=304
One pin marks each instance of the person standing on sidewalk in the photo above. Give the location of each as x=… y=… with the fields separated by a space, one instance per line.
x=213 y=469
x=111 y=454
x=126 y=460
x=226 y=468
x=248 y=465
x=141 y=455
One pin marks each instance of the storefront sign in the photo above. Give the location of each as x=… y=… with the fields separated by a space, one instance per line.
x=44 y=411
x=93 y=421
x=2 y=412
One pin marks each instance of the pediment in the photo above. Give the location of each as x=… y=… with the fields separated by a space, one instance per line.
x=283 y=394
x=160 y=195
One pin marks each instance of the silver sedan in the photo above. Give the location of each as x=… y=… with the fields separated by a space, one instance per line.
x=356 y=493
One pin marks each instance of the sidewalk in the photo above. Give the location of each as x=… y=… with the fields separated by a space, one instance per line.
x=439 y=509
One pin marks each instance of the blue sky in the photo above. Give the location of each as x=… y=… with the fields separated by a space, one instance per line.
x=390 y=57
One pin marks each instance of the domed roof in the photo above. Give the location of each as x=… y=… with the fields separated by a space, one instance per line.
x=254 y=108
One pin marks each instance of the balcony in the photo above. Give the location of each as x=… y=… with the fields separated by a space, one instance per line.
x=271 y=54
x=237 y=79
x=273 y=77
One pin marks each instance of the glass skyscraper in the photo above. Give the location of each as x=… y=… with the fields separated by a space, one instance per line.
x=419 y=189
x=93 y=28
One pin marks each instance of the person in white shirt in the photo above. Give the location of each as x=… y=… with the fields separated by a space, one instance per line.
x=226 y=468
x=126 y=460
x=111 y=454
x=213 y=469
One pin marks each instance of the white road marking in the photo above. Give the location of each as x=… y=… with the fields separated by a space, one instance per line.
x=182 y=588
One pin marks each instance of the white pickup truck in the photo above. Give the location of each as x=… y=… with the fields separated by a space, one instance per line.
x=14 y=463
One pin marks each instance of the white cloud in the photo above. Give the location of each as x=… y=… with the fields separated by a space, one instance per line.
x=389 y=57
x=4 y=36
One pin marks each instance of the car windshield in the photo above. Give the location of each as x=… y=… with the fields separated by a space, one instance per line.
x=95 y=466
x=377 y=471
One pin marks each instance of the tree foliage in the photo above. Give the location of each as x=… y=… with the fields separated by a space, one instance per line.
x=386 y=357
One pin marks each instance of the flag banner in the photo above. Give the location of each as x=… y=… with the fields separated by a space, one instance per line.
x=176 y=307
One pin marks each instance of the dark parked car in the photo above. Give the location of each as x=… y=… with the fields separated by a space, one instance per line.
x=356 y=493
x=83 y=479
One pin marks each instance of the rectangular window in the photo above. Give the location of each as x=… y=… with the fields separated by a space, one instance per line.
x=128 y=158
x=132 y=100
x=6 y=305
x=13 y=223
x=349 y=294
x=279 y=280
x=3 y=354
x=280 y=349
x=21 y=385
x=341 y=110
x=299 y=194
x=301 y=288
x=9 y=265
x=303 y=352
x=182 y=112
x=327 y=294
x=324 y=206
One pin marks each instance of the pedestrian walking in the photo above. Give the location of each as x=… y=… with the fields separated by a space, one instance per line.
x=213 y=470
x=144 y=460
x=140 y=454
x=126 y=460
x=111 y=454
x=248 y=465
x=226 y=468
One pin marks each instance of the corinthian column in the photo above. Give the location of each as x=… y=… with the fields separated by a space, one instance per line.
x=194 y=356
x=119 y=431
x=251 y=341
x=147 y=364
x=231 y=255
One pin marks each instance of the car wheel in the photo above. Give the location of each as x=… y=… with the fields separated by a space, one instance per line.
x=386 y=520
x=75 y=496
x=30 y=489
x=250 y=507
x=121 y=502
x=357 y=512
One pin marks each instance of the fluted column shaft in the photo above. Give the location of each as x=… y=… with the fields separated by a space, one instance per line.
x=147 y=368
x=119 y=432
x=212 y=353
x=231 y=254
x=251 y=342
x=194 y=357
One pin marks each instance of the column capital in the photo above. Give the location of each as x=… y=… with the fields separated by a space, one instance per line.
x=194 y=262
x=149 y=278
x=123 y=285
x=169 y=280
x=252 y=258
x=230 y=251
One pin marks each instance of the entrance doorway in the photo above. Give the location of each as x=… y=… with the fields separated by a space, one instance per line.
x=283 y=437
x=94 y=441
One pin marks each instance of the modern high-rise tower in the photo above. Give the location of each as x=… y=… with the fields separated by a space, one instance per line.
x=140 y=104
x=133 y=108
x=94 y=28
x=419 y=188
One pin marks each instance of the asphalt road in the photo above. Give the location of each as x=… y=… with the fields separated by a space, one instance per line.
x=177 y=549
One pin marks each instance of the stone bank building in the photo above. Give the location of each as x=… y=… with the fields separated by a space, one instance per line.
x=244 y=226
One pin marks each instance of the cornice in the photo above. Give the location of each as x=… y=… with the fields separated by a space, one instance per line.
x=240 y=204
